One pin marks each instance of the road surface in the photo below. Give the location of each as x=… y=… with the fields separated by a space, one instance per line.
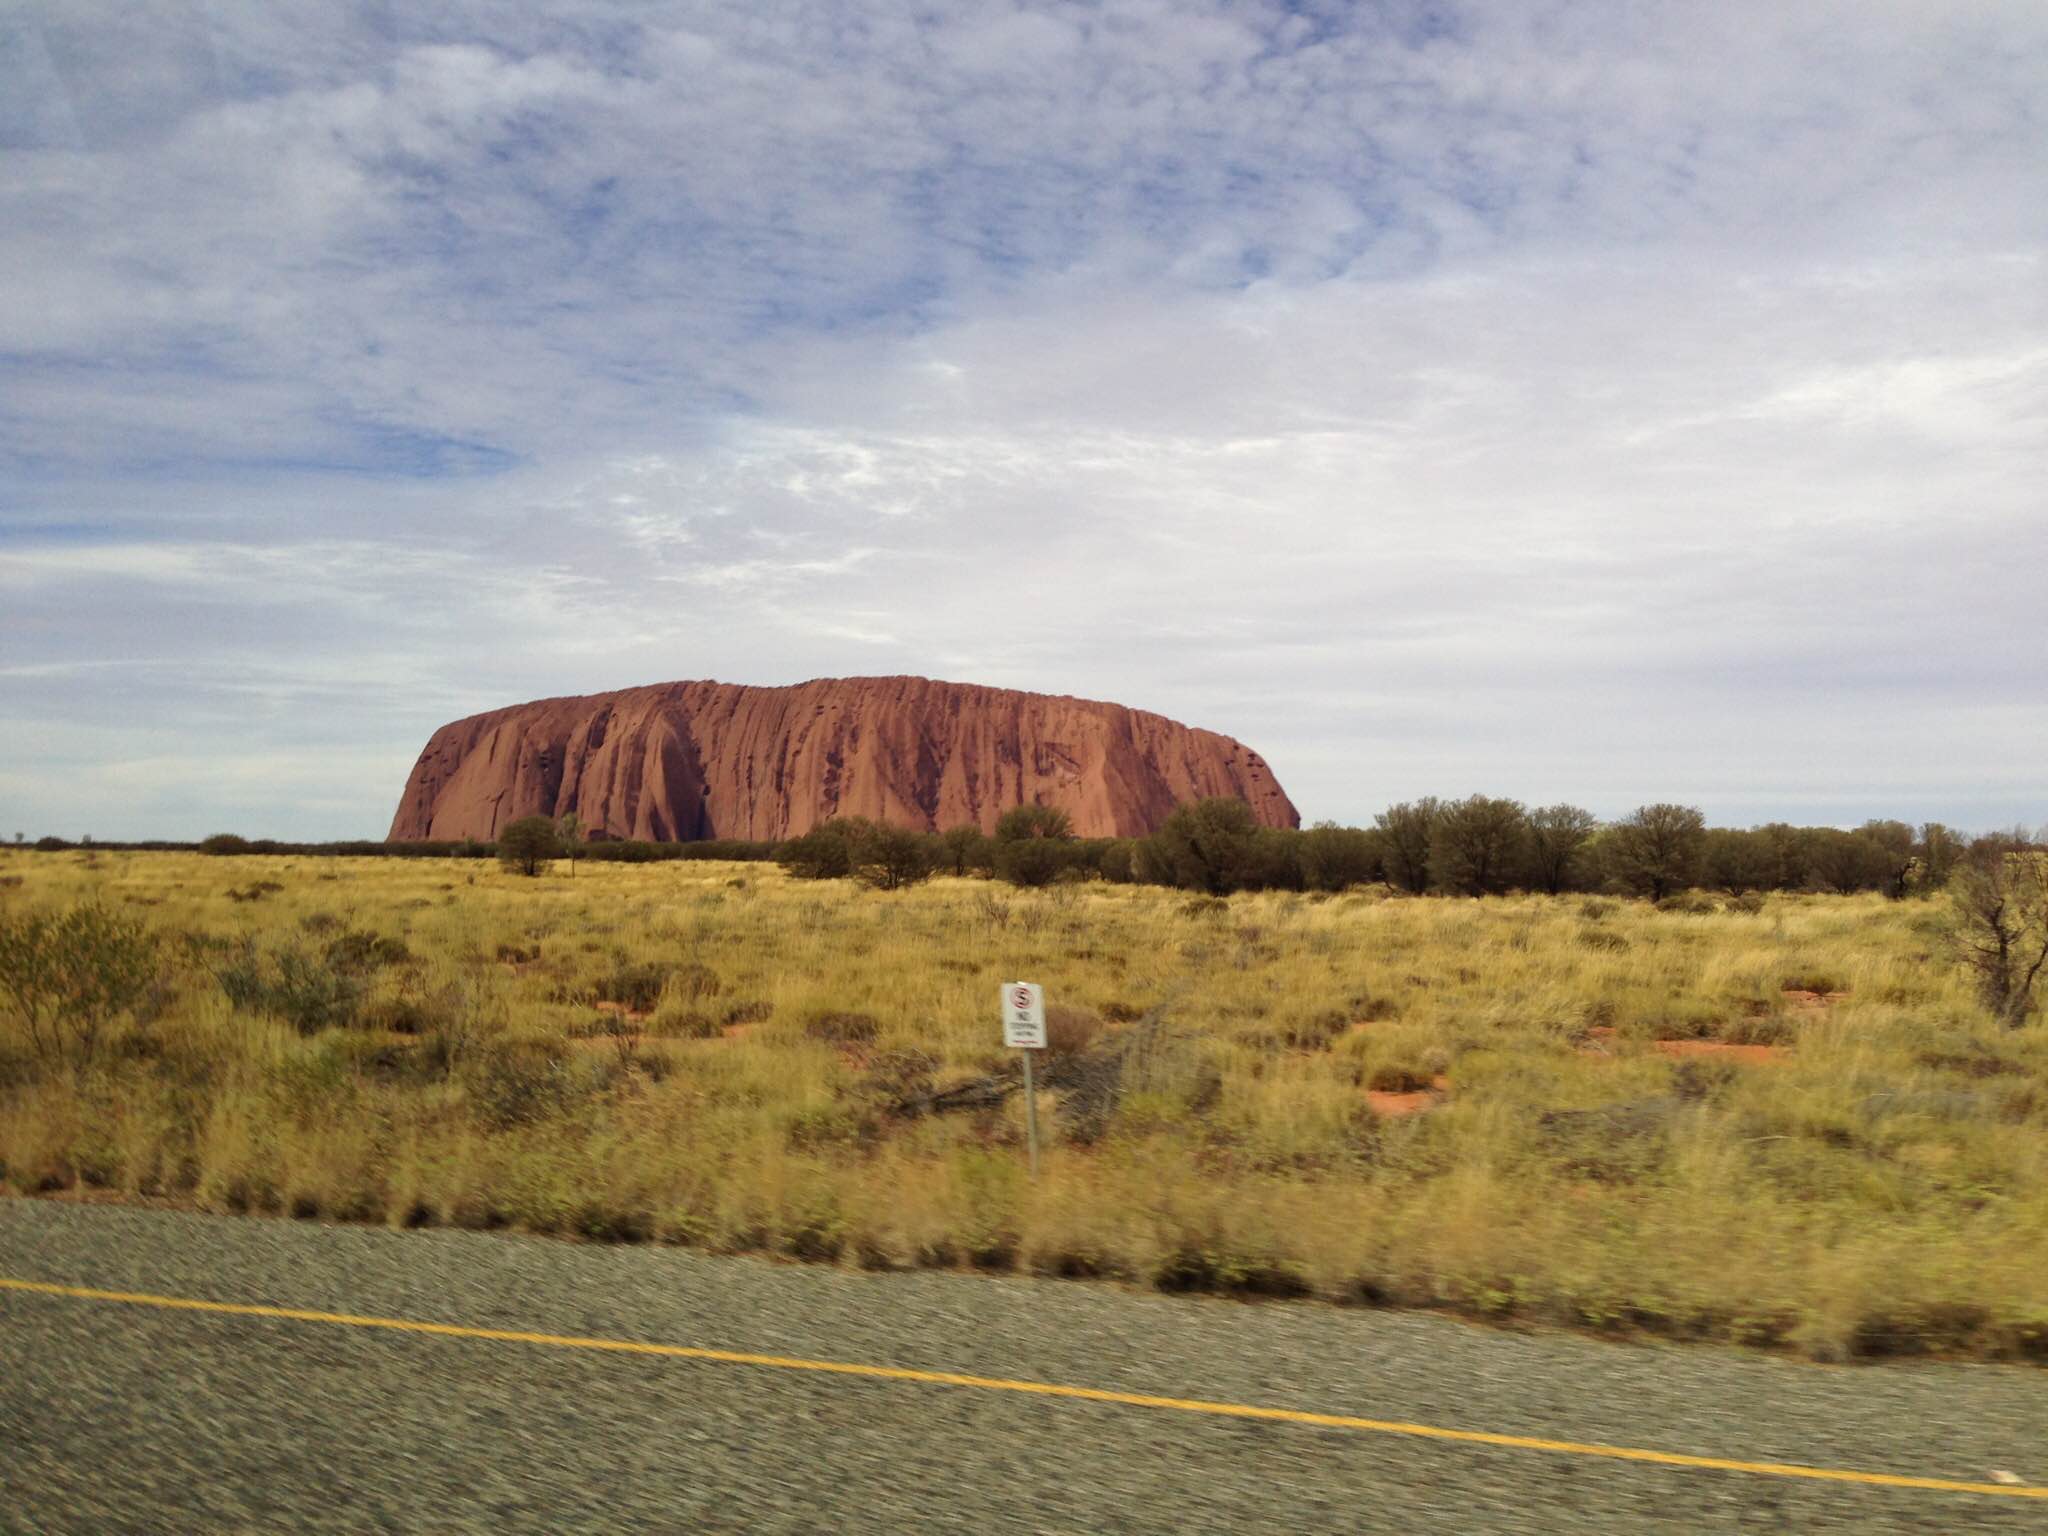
x=122 y=1412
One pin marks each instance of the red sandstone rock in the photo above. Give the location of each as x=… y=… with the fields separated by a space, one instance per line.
x=679 y=761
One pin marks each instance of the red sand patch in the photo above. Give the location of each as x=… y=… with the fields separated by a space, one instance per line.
x=1796 y=997
x=1395 y=1105
x=1722 y=1048
x=1599 y=1043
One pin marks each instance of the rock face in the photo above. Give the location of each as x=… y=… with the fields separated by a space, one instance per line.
x=681 y=761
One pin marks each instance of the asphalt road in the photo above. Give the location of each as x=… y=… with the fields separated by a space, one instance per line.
x=123 y=1417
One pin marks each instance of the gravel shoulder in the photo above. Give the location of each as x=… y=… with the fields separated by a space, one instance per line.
x=118 y=1418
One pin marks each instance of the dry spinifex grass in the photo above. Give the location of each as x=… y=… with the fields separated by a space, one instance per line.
x=1867 y=1174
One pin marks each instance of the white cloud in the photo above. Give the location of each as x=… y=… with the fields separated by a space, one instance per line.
x=1602 y=402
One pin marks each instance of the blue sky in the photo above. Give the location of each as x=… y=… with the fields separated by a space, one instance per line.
x=1609 y=402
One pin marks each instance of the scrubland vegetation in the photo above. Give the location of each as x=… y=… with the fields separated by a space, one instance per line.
x=1477 y=846
x=1786 y=1119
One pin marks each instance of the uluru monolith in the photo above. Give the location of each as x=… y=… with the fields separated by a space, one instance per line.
x=683 y=761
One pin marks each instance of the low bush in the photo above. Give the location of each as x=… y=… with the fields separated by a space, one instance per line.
x=1690 y=903
x=359 y=953
x=307 y=991
x=693 y=983
x=70 y=976
x=671 y=1022
x=516 y=1083
x=843 y=1028
x=634 y=985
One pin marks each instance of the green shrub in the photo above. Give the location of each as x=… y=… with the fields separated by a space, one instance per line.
x=828 y=851
x=360 y=952
x=1807 y=978
x=68 y=977
x=308 y=992
x=518 y=1082
x=1690 y=903
x=843 y=1028
x=1031 y=862
x=963 y=850
x=1033 y=845
x=672 y=1023
x=891 y=858
x=694 y=983
x=635 y=985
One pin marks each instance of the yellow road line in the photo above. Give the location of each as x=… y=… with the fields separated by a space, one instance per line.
x=1033 y=1388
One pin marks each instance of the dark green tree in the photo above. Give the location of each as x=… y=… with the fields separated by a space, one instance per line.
x=829 y=851
x=1025 y=822
x=1842 y=862
x=1736 y=861
x=1033 y=845
x=1557 y=844
x=1033 y=861
x=1655 y=850
x=1790 y=871
x=890 y=858
x=962 y=850
x=1940 y=850
x=1404 y=841
x=1893 y=853
x=1116 y=862
x=1334 y=858
x=1478 y=845
x=1210 y=846
x=1998 y=927
x=528 y=844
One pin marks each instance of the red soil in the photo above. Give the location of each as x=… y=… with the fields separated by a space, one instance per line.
x=1395 y=1105
x=1752 y=1053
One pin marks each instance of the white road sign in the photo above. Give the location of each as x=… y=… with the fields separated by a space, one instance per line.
x=1024 y=1015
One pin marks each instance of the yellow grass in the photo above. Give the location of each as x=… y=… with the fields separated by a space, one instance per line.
x=1879 y=1188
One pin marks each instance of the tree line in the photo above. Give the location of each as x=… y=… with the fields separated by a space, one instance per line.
x=1477 y=846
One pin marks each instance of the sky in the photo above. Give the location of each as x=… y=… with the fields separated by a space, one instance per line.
x=1604 y=402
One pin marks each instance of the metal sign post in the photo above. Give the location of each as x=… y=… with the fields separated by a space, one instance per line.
x=1024 y=1030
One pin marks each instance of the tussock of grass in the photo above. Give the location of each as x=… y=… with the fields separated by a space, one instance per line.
x=407 y=1045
